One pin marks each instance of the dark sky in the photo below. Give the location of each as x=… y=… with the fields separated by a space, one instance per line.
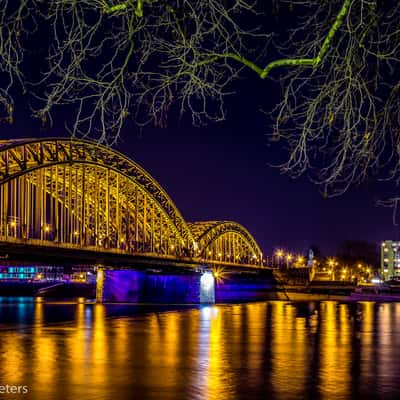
x=221 y=172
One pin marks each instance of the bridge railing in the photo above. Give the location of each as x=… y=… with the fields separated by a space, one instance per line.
x=100 y=249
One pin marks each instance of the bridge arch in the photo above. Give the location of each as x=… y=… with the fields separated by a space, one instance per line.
x=83 y=193
x=225 y=241
x=74 y=192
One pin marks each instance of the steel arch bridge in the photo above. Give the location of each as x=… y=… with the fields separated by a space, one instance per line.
x=79 y=194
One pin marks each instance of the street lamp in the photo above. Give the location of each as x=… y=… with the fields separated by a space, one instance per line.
x=288 y=258
x=331 y=262
x=46 y=231
x=13 y=225
x=279 y=254
x=300 y=260
x=76 y=237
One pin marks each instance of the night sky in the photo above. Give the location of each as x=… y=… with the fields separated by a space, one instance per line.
x=221 y=172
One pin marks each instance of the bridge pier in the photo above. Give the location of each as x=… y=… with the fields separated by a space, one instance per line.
x=183 y=287
x=155 y=287
x=100 y=285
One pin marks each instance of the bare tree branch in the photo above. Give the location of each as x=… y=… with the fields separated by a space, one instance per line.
x=107 y=61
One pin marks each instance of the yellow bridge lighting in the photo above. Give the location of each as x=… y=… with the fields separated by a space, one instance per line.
x=100 y=201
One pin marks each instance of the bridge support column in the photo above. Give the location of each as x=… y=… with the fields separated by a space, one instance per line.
x=100 y=285
x=207 y=288
x=191 y=287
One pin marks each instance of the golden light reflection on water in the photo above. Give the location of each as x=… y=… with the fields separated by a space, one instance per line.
x=44 y=349
x=171 y=340
x=387 y=358
x=163 y=335
x=335 y=351
x=288 y=352
x=12 y=358
x=99 y=352
x=256 y=318
x=366 y=335
x=275 y=350
x=219 y=382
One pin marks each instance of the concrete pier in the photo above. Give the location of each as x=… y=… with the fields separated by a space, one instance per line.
x=148 y=287
x=196 y=287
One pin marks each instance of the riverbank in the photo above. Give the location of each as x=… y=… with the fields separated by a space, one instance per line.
x=317 y=291
x=352 y=297
x=53 y=289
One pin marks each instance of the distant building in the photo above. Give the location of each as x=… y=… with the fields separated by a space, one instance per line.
x=390 y=259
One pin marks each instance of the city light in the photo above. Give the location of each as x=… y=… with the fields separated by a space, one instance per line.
x=279 y=253
x=331 y=262
x=300 y=260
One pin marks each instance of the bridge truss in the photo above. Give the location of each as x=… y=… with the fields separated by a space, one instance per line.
x=76 y=193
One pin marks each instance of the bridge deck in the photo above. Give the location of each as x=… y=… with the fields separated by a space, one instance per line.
x=47 y=251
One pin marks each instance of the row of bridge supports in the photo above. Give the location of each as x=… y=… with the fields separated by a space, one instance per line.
x=136 y=286
x=174 y=287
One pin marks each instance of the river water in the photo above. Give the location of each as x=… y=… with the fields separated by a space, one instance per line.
x=270 y=350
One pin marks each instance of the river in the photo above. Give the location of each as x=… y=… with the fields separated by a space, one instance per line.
x=269 y=350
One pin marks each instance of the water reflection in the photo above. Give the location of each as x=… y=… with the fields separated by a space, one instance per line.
x=275 y=350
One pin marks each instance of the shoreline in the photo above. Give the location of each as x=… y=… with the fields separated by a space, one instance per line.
x=86 y=292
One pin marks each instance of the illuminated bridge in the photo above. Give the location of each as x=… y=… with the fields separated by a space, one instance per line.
x=78 y=196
